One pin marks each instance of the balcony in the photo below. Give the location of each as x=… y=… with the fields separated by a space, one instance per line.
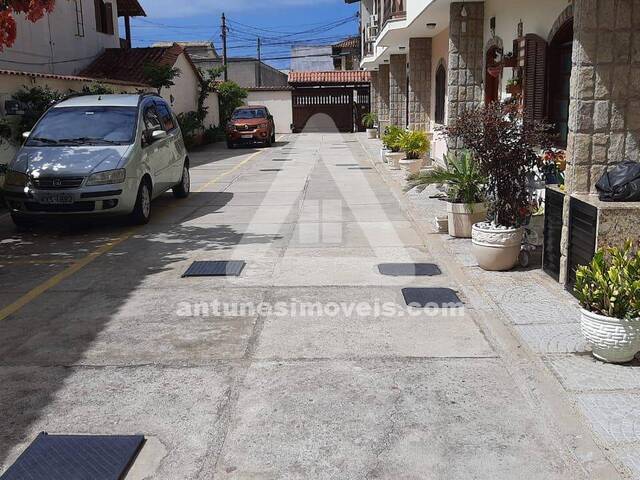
x=393 y=10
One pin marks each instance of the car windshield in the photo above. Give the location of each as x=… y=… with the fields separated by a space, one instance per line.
x=247 y=113
x=85 y=126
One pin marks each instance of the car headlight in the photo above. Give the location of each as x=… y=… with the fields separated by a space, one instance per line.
x=107 y=177
x=16 y=179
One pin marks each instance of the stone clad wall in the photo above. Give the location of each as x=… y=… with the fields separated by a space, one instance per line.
x=383 y=96
x=374 y=98
x=466 y=56
x=398 y=90
x=419 y=83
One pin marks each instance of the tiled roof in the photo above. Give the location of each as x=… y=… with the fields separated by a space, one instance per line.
x=351 y=42
x=130 y=8
x=71 y=77
x=270 y=88
x=128 y=64
x=333 y=77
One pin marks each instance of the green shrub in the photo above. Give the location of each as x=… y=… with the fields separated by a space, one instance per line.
x=190 y=126
x=465 y=183
x=414 y=143
x=391 y=138
x=369 y=120
x=610 y=284
x=230 y=96
x=96 y=88
x=36 y=101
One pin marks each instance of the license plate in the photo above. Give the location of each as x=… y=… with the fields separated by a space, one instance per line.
x=55 y=198
x=247 y=136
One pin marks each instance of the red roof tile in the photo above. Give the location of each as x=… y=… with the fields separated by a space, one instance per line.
x=351 y=42
x=333 y=77
x=128 y=64
x=72 y=77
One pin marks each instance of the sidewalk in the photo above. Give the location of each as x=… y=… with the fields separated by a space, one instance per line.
x=544 y=319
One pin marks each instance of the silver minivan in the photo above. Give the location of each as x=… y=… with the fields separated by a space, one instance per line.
x=98 y=155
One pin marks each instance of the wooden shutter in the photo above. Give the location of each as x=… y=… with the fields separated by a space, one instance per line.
x=534 y=77
x=108 y=18
x=98 y=8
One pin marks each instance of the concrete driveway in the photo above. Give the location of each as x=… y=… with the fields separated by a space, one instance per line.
x=307 y=366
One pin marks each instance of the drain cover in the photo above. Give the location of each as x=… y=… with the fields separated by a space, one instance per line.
x=270 y=169
x=281 y=160
x=76 y=457
x=359 y=168
x=229 y=268
x=409 y=269
x=347 y=165
x=431 y=297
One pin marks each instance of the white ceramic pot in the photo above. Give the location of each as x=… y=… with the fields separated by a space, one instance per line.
x=462 y=216
x=394 y=160
x=496 y=249
x=383 y=154
x=612 y=339
x=411 y=165
x=372 y=132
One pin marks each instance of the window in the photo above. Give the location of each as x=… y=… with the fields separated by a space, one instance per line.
x=165 y=116
x=151 y=119
x=104 y=17
x=559 y=80
x=441 y=87
x=79 y=19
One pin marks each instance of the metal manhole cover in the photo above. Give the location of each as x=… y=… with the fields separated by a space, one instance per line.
x=281 y=160
x=76 y=457
x=227 y=268
x=409 y=269
x=431 y=297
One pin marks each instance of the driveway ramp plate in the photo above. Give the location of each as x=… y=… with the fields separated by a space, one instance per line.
x=76 y=457
x=409 y=269
x=227 y=268
x=431 y=298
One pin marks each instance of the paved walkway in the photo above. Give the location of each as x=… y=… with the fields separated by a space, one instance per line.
x=309 y=365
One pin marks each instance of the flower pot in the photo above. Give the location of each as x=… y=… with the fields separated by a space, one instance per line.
x=372 y=132
x=612 y=340
x=394 y=160
x=462 y=216
x=411 y=165
x=383 y=155
x=496 y=248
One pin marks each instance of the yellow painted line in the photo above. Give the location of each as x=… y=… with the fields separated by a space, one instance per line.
x=35 y=292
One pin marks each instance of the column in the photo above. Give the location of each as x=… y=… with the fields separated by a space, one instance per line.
x=383 y=97
x=419 y=83
x=398 y=90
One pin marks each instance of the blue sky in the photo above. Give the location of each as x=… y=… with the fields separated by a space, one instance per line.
x=200 y=20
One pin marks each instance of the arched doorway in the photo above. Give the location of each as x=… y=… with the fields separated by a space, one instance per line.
x=493 y=72
x=441 y=92
x=559 y=80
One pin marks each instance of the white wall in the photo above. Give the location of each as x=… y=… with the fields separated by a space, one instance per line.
x=54 y=38
x=183 y=96
x=213 y=111
x=439 y=51
x=536 y=17
x=279 y=104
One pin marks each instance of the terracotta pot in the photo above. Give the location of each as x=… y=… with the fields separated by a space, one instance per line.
x=496 y=249
x=612 y=340
x=372 y=133
x=462 y=216
x=411 y=165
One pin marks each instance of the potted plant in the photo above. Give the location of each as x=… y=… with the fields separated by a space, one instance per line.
x=391 y=140
x=608 y=290
x=465 y=191
x=414 y=144
x=514 y=86
x=369 y=121
x=506 y=149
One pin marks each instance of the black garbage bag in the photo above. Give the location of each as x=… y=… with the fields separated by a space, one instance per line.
x=621 y=183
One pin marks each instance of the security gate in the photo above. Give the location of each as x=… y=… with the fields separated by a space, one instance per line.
x=329 y=109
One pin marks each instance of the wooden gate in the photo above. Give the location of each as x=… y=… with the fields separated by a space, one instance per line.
x=329 y=109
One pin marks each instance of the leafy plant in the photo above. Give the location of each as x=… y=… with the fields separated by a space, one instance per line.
x=465 y=183
x=96 y=88
x=190 y=126
x=369 y=120
x=391 y=138
x=506 y=149
x=160 y=76
x=610 y=284
x=231 y=96
x=36 y=101
x=414 y=143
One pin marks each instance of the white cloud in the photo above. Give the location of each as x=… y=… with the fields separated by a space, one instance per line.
x=193 y=8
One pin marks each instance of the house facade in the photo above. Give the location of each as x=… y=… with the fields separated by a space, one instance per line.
x=69 y=38
x=575 y=64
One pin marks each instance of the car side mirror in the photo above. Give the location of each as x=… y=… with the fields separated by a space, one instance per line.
x=25 y=135
x=158 y=135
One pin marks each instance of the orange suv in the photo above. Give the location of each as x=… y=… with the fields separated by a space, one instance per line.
x=251 y=124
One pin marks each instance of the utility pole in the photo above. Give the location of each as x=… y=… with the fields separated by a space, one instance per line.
x=224 y=47
x=259 y=65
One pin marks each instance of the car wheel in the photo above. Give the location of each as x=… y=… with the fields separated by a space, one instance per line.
x=268 y=142
x=230 y=144
x=20 y=221
x=273 y=137
x=142 y=211
x=182 y=189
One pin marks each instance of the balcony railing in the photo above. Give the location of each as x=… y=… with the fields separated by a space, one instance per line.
x=393 y=10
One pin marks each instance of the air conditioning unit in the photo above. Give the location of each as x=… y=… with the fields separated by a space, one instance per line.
x=373 y=20
x=372 y=31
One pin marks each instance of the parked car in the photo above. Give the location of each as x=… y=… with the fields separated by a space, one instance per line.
x=98 y=155
x=250 y=125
